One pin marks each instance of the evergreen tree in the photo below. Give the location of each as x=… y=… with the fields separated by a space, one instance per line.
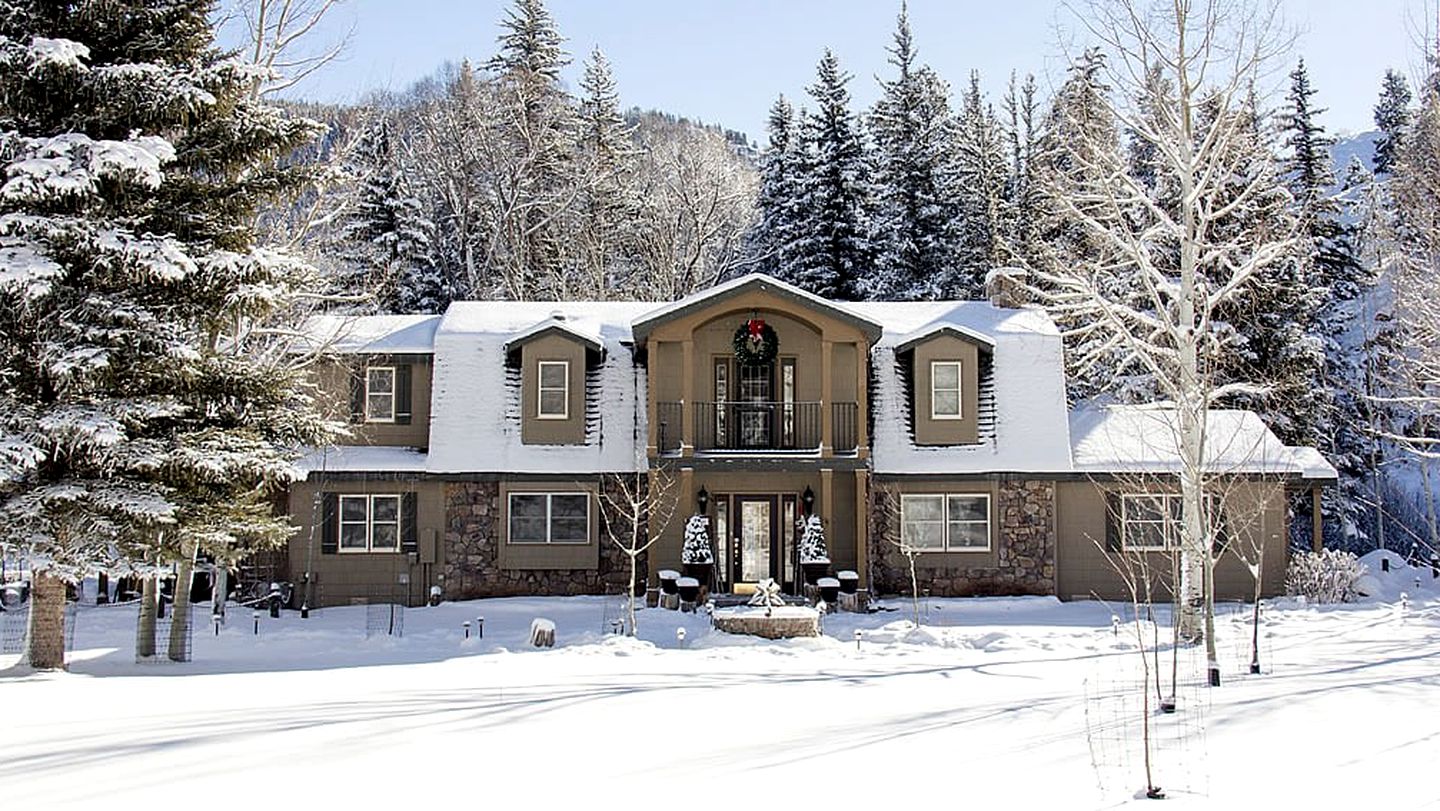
x=781 y=166
x=607 y=204
x=387 y=248
x=537 y=179
x=915 y=208
x=832 y=249
x=982 y=175
x=1392 y=117
x=139 y=420
x=1023 y=192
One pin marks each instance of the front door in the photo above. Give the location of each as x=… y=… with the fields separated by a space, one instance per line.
x=755 y=526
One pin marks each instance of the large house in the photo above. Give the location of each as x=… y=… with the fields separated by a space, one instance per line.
x=483 y=440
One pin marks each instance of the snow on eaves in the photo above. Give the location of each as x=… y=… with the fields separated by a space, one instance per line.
x=588 y=334
x=370 y=334
x=471 y=428
x=361 y=459
x=1144 y=439
x=1031 y=431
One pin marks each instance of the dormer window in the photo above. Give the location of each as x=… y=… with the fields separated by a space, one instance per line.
x=380 y=394
x=945 y=390
x=554 y=390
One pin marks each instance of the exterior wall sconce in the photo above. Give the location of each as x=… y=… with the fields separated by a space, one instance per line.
x=702 y=499
x=808 y=499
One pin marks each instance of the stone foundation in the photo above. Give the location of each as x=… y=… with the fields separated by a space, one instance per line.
x=1025 y=550
x=473 y=535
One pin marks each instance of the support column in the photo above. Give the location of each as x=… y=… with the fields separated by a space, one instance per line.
x=652 y=441
x=1317 y=541
x=862 y=526
x=687 y=398
x=827 y=395
x=862 y=406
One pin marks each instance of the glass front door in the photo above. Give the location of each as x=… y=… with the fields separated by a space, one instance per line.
x=756 y=537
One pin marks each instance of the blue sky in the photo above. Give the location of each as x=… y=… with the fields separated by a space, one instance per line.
x=725 y=62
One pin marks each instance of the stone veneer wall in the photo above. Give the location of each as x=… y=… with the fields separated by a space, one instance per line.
x=1025 y=551
x=473 y=535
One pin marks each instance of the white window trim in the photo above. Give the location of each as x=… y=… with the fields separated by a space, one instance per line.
x=540 y=390
x=549 y=517
x=1172 y=526
x=959 y=391
x=393 y=386
x=369 y=524
x=945 y=547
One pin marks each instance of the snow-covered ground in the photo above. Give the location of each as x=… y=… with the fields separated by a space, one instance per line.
x=1026 y=702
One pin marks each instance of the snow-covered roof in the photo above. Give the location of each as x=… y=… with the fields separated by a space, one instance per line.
x=846 y=311
x=1135 y=439
x=556 y=323
x=377 y=334
x=474 y=415
x=1031 y=432
x=362 y=459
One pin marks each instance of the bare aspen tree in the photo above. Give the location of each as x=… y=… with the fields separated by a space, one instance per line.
x=1152 y=297
x=636 y=509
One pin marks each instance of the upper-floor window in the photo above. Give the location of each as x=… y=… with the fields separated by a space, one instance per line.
x=369 y=523
x=945 y=390
x=940 y=522
x=554 y=390
x=380 y=394
x=550 y=518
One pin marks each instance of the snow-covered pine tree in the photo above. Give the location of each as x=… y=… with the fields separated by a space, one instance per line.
x=916 y=213
x=781 y=165
x=696 y=548
x=832 y=247
x=139 y=419
x=982 y=174
x=812 y=546
x=1023 y=132
x=387 y=240
x=607 y=204
x=536 y=177
x=1392 y=117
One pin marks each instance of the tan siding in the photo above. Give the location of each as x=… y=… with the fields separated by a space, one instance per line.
x=341 y=577
x=930 y=431
x=536 y=431
x=1255 y=511
x=332 y=378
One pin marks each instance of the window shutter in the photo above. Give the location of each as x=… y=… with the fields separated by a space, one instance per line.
x=402 y=394
x=1112 y=522
x=357 y=393
x=409 y=534
x=329 y=524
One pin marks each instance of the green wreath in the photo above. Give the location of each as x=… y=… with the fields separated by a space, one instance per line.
x=755 y=343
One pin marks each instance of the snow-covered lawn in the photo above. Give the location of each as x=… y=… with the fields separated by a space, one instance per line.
x=1016 y=701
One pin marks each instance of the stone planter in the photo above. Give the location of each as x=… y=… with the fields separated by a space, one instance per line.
x=849 y=582
x=829 y=589
x=689 y=589
x=779 y=622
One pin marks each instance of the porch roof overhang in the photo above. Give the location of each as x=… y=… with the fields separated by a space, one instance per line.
x=646 y=323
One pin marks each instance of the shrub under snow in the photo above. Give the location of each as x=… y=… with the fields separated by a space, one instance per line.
x=1329 y=576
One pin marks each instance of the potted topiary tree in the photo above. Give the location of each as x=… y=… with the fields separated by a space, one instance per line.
x=814 y=555
x=696 y=556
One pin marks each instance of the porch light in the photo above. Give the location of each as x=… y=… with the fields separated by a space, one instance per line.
x=808 y=499
x=702 y=499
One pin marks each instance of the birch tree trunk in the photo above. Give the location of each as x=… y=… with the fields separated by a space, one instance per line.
x=179 y=647
x=45 y=636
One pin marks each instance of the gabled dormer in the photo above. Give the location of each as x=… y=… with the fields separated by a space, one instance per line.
x=950 y=384
x=556 y=363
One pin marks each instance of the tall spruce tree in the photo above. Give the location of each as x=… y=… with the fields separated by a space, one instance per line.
x=1392 y=117
x=781 y=165
x=139 y=421
x=536 y=183
x=832 y=248
x=982 y=175
x=607 y=204
x=916 y=215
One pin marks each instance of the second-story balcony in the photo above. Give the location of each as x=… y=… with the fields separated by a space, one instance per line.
x=735 y=426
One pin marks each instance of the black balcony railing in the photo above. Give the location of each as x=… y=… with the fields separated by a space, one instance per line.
x=845 y=427
x=671 y=417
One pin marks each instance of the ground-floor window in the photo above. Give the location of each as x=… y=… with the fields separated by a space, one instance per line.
x=1152 y=521
x=946 y=522
x=549 y=518
x=369 y=523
